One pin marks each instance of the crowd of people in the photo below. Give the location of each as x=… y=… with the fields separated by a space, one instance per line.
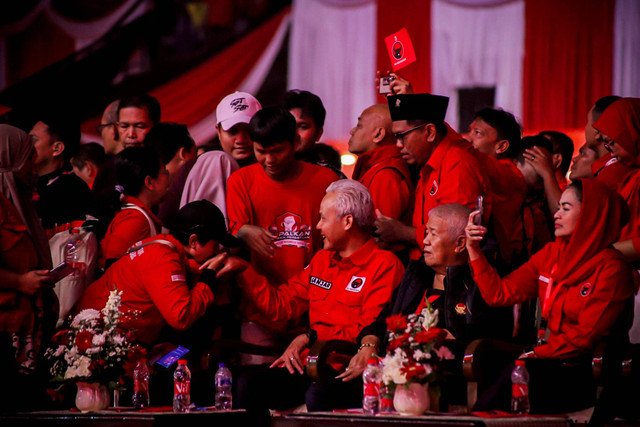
x=262 y=238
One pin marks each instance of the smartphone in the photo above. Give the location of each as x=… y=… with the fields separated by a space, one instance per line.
x=172 y=357
x=384 y=84
x=60 y=271
x=477 y=220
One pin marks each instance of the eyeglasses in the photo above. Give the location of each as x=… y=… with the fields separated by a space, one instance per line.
x=101 y=127
x=400 y=135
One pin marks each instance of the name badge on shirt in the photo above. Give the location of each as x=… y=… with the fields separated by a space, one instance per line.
x=356 y=283
x=319 y=282
x=178 y=278
x=544 y=279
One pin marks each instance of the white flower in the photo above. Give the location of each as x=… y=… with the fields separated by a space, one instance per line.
x=430 y=318
x=85 y=316
x=59 y=351
x=98 y=339
x=119 y=339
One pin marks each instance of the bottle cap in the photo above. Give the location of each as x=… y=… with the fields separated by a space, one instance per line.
x=520 y=362
x=222 y=365
x=182 y=362
x=372 y=361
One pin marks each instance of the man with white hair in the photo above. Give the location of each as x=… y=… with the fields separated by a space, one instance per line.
x=343 y=289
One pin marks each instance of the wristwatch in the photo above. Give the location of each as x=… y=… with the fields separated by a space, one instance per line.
x=312 y=335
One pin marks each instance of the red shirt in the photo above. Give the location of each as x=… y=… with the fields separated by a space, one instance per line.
x=154 y=280
x=451 y=175
x=342 y=295
x=289 y=210
x=387 y=176
x=508 y=191
x=127 y=227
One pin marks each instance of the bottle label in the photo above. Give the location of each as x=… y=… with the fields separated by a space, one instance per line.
x=520 y=390
x=371 y=389
x=139 y=386
x=183 y=387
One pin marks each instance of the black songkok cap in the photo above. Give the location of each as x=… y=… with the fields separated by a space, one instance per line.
x=418 y=106
x=204 y=217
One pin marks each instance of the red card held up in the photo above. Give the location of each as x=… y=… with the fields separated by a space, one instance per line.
x=400 y=49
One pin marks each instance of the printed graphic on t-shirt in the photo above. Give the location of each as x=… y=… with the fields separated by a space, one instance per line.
x=356 y=283
x=290 y=231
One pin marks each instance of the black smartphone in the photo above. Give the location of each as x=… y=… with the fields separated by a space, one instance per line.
x=60 y=271
x=385 y=81
x=169 y=359
x=477 y=220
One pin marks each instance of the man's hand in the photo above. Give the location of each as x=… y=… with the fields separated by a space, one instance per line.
x=540 y=159
x=357 y=364
x=290 y=359
x=225 y=264
x=32 y=281
x=390 y=230
x=399 y=86
x=257 y=239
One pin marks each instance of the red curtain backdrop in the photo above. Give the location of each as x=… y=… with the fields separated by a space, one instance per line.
x=568 y=60
x=415 y=16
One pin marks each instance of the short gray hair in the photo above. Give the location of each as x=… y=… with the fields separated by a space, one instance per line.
x=456 y=217
x=353 y=198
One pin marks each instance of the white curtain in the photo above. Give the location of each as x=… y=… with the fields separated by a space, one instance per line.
x=480 y=46
x=626 y=48
x=332 y=53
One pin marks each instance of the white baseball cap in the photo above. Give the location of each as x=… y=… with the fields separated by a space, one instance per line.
x=235 y=108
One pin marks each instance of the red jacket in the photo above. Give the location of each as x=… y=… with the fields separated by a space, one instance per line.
x=154 y=280
x=341 y=295
x=387 y=176
x=583 y=283
x=452 y=174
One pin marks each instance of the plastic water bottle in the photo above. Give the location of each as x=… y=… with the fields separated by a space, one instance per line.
x=386 y=399
x=182 y=387
x=141 y=385
x=520 y=388
x=371 y=378
x=224 y=398
x=72 y=254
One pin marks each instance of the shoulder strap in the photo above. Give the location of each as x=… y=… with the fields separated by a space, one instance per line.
x=152 y=225
x=142 y=245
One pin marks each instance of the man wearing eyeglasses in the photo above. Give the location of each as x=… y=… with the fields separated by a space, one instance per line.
x=108 y=130
x=449 y=170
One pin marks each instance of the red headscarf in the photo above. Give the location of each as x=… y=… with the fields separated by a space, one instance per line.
x=603 y=213
x=621 y=122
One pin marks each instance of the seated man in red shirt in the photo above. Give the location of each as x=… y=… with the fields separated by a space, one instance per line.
x=156 y=279
x=343 y=289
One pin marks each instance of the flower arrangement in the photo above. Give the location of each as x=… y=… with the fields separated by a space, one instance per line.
x=96 y=347
x=415 y=351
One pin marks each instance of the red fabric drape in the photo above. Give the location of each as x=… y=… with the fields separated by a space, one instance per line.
x=415 y=16
x=215 y=78
x=568 y=60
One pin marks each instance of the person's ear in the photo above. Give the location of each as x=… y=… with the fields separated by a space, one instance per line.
x=430 y=132
x=461 y=244
x=58 y=148
x=319 y=133
x=379 y=135
x=92 y=168
x=148 y=183
x=556 y=159
x=193 y=239
x=347 y=222
x=501 y=146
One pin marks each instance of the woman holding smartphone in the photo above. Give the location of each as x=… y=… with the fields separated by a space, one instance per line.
x=585 y=287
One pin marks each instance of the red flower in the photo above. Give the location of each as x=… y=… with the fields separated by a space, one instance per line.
x=396 y=322
x=431 y=335
x=84 y=340
x=61 y=337
x=413 y=370
x=97 y=365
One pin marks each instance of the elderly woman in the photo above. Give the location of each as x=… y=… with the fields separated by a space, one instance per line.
x=28 y=305
x=584 y=286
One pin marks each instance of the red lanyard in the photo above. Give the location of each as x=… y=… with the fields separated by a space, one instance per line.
x=550 y=295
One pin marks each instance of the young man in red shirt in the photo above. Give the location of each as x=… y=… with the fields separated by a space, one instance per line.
x=272 y=207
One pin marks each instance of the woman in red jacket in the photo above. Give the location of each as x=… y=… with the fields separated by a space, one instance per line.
x=142 y=183
x=584 y=286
